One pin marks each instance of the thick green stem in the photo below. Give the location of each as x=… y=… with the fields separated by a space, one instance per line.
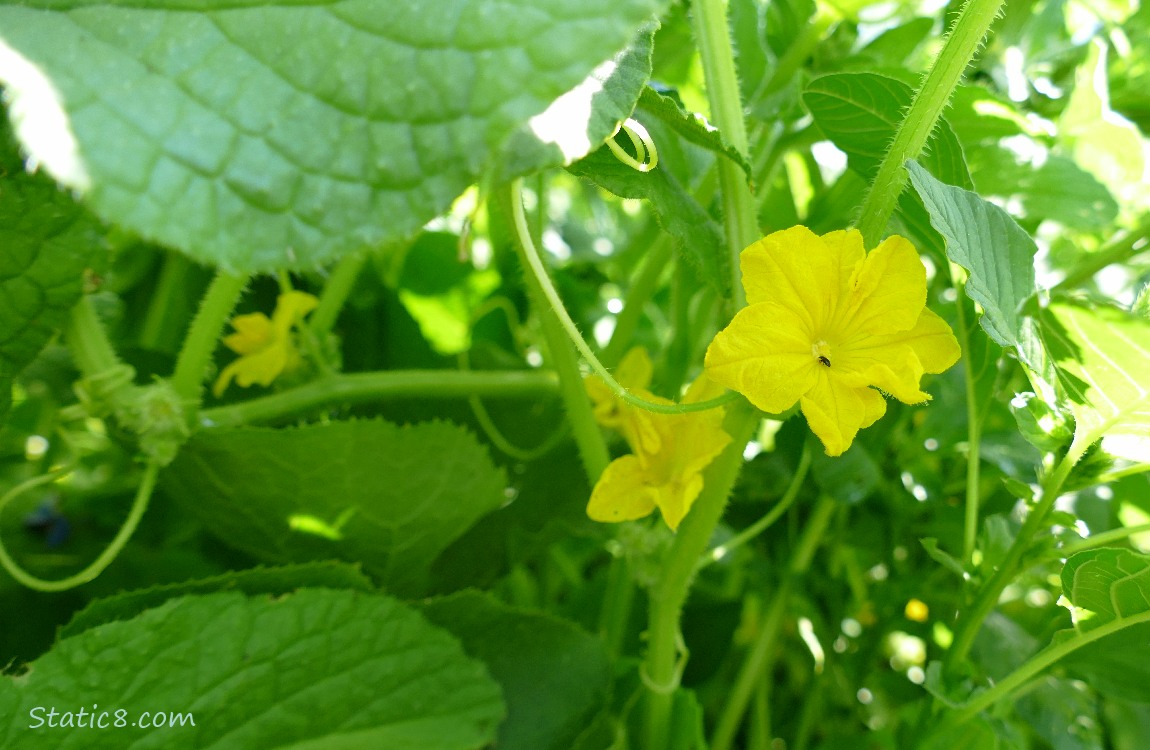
x=203 y=336
x=1037 y=664
x=756 y=661
x=376 y=387
x=970 y=620
x=88 y=341
x=549 y=308
x=661 y=666
x=929 y=102
x=139 y=506
x=335 y=292
x=714 y=40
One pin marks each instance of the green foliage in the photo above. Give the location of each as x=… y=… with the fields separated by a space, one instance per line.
x=382 y=540
x=322 y=647
x=357 y=490
x=392 y=138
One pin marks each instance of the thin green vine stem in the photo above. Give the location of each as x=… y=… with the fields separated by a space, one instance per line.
x=542 y=282
x=774 y=514
x=203 y=336
x=1103 y=538
x=139 y=506
x=714 y=39
x=929 y=102
x=554 y=319
x=1117 y=250
x=376 y=387
x=764 y=647
x=335 y=292
x=662 y=663
x=1037 y=664
x=970 y=619
x=973 y=436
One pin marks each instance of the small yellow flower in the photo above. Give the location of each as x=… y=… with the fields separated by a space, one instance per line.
x=670 y=451
x=265 y=346
x=829 y=326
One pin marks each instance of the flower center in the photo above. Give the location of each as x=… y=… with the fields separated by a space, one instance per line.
x=821 y=351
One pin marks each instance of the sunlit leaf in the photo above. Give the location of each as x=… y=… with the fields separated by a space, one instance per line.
x=1103 y=359
x=289 y=134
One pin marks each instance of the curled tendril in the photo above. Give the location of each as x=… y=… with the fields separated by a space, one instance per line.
x=646 y=155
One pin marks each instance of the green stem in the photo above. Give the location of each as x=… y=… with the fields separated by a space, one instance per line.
x=375 y=387
x=139 y=506
x=714 y=41
x=552 y=314
x=540 y=282
x=1036 y=665
x=973 y=436
x=971 y=619
x=203 y=336
x=335 y=292
x=1104 y=538
x=1118 y=250
x=764 y=647
x=173 y=275
x=644 y=286
x=88 y=341
x=618 y=599
x=764 y=523
x=661 y=666
x=929 y=102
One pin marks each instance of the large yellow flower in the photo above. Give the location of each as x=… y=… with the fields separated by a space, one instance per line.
x=265 y=346
x=829 y=326
x=669 y=451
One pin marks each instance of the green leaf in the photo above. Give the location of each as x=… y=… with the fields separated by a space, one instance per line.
x=996 y=253
x=1102 y=355
x=389 y=497
x=275 y=581
x=692 y=127
x=1058 y=189
x=554 y=676
x=260 y=136
x=314 y=669
x=698 y=236
x=46 y=243
x=861 y=112
x=1107 y=586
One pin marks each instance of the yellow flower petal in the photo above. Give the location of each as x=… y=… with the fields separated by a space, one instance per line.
x=634 y=373
x=765 y=354
x=253 y=331
x=291 y=308
x=836 y=412
x=888 y=292
x=802 y=271
x=934 y=343
x=621 y=494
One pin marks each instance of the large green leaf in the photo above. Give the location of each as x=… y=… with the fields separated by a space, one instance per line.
x=263 y=135
x=1103 y=360
x=996 y=253
x=554 y=676
x=691 y=127
x=861 y=112
x=46 y=242
x=389 y=497
x=1108 y=586
x=277 y=581
x=315 y=669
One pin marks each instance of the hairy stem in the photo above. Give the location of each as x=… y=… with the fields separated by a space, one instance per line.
x=204 y=334
x=929 y=102
x=661 y=665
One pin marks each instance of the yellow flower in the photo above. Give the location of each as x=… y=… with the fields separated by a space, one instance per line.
x=634 y=374
x=265 y=346
x=665 y=471
x=826 y=325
